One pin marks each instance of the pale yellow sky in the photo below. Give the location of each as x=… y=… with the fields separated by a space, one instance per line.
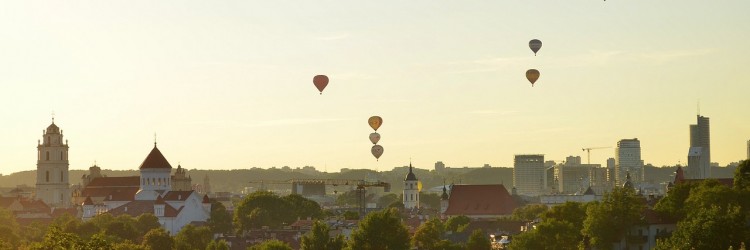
x=229 y=84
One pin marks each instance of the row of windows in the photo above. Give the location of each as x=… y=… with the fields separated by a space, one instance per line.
x=47 y=176
x=155 y=181
x=46 y=156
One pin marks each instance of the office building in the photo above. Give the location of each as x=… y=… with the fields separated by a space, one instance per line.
x=529 y=174
x=699 y=154
x=628 y=161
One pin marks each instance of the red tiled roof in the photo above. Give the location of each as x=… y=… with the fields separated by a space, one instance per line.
x=88 y=201
x=480 y=200
x=136 y=208
x=35 y=206
x=7 y=201
x=121 y=194
x=125 y=181
x=177 y=195
x=155 y=160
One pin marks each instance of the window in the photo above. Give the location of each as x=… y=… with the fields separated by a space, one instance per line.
x=47 y=173
x=47 y=155
x=61 y=176
x=61 y=156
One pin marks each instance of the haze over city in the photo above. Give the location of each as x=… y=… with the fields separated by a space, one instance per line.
x=229 y=85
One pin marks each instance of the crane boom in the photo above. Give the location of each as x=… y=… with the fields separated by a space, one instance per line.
x=588 y=153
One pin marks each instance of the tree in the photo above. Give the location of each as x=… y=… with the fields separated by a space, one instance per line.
x=387 y=199
x=146 y=223
x=220 y=221
x=192 y=237
x=573 y=212
x=9 y=228
x=318 y=239
x=271 y=245
x=303 y=207
x=122 y=230
x=430 y=200
x=262 y=209
x=218 y=245
x=742 y=176
x=127 y=245
x=607 y=221
x=529 y=212
x=351 y=215
x=57 y=239
x=380 y=230
x=157 y=238
x=712 y=228
x=457 y=223
x=98 y=241
x=478 y=241
x=429 y=234
x=550 y=234
x=673 y=205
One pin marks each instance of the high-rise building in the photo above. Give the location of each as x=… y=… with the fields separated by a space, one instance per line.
x=411 y=190
x=628 y=161
x=52 y=185
x=439 y=166
x=529 y=174
x=699 y=154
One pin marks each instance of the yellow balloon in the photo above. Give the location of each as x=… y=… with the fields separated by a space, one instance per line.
x=375 y=122
x=419 y=186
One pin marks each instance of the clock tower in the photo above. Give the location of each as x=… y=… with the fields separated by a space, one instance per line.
x=52 y=184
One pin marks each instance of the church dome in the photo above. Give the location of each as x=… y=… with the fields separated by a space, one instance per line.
x=53 y=129
x=410 y=176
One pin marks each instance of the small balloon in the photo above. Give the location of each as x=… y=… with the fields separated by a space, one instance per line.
x=535 y=45
x=377 y=151
x=532 y=75
x=320 y=81
x=374 y=138
x=375 y=122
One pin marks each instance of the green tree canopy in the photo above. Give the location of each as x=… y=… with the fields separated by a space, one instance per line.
x=478 y=241
x=380 y=230
x=711 y=228
x=387 y=199
x=529 y=212
x=271 y=245
x=303 y=207
x=218 y=245
x=350 y=215
x=9 y=228
x=607 y=221
x=318 y=239
x=550 y=234
x=192 y=237
x=57 y=239
x=573 y=212
x=673 y=204
x=157 y=239
x=146 y=222
x=429 y=234
x=220 y=221
x=268 y=209
x=457 y=223
x=742 y=176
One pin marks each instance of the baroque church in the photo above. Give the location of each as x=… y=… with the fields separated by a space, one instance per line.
x=169 y=197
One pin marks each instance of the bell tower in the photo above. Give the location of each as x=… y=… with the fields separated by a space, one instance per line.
x=52 y=185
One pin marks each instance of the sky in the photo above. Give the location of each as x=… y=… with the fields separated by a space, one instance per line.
x=228 y=84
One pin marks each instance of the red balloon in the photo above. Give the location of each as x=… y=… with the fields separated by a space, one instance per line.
x=320 y=81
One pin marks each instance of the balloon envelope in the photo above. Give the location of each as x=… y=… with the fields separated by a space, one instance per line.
x=377 y=151
x=375 y=122
x=374 y=138
x=320 y=81
x=532 y=75
x=535 y=45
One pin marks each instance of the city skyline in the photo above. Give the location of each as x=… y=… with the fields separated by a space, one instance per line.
x=228 y=86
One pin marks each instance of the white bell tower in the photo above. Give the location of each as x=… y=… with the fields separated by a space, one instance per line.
x=52 y=184
x=411 y=190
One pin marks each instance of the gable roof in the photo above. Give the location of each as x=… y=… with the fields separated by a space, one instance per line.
x=480 y=200
x=138 y=207
x=155 y=160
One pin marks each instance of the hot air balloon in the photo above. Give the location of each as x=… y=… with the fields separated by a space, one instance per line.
x=377 y=151
x=374 y=138
x=532 y=75
x=375 y=122
x=320 y=81
x=535 y=45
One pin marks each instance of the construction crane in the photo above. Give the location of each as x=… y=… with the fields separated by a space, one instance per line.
x=588 y=152
x=361 y=186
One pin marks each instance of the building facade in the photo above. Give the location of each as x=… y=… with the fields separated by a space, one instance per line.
x=52 y=185
x=411 y=190
x=628 y=161
x=181 y=181
x=529 y=174
x=699 y=154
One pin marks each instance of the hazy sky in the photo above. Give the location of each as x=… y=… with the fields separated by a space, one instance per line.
x=228 y=84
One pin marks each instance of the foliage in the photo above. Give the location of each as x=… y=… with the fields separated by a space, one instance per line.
x=127 y=245
x=9 y=228
x=397 y=205
x=146 y=222
x=573 y=212
x=268 y=209
x=57 y=239
x=712 y=228
x=387 y=199
x=351 y=215
x=529 y=212
x=607 y=221
x=122 y=230
x=157 y=238
x=429 y=234
x=742 y=176
x=218 y=245
x=220 y=221
x=430 y=200
x=192 y=237
x=550 y=234
x=34 y=232
x=271 y=245
x=351 y=197
x=457 y=223
x=673 y=205
x=380 y=230
x=318 y=239
x=478 y=241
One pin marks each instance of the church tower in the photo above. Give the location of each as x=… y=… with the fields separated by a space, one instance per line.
x=52 y=185
x=155 y=176
x=411 y=190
